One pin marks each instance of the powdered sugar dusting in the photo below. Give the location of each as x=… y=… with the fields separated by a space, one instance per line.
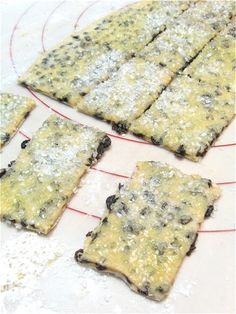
x=24 y=259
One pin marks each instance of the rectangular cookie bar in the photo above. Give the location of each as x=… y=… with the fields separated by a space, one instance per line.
x=37 y=187
x=216 y=64
x=150 y=225
x=127 y=93
x=130 y=91
x=14 y=109
x=75 y=66
x=187 y=117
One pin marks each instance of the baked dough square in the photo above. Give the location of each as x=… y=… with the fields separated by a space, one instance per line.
x=14 y=110
x=217 y=63
x=126 y=95
x=187 y=118
x=39 y=184
x=150 y=225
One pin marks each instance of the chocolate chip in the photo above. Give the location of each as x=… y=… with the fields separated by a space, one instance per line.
x=105 y=143
x=142 y=291
x=209 y=211
x=145 y=211
x=180 y=152
x=120 y=186
x=26 y=115
x=64 y=99
x=232 y=31
x=120 y=127
x=98 y=116
x=24 y=224
x=89 y=234
x=24 y=144
x=107 y=45
x=149 y=197
x=157 y=142
x=123 y=209
x=129 y=228
x=132 y=227
x=2 y=172
x=177 y=208
x=5 y=138
x=193 y=246
x=139 y=135
x=184 y=220
x=145 y=289
x=11 y=163
x=78 y=254
x=82 y=94
x=162 y=288
x=100 y=267
x=42 y=212
x=202 y=151
x=87 y=38
x=111 y=200
x=45 y=61
x=162 y=64
x=164 y=205
x=104 y=221
x=209 y=182
x=94 y=236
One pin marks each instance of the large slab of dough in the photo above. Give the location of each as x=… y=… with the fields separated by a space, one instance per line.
x=14 y=109
x=138 y=83
x=187 y=117
x=38 y=185
x=71 y=69
x=150 y=225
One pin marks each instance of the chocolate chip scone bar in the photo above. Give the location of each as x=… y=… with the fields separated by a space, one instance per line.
x=125 y=96
x=137 y=84
x=195 y=108
x=150 y=225
x=14 y=109
x=37 y=187
x=75 y=66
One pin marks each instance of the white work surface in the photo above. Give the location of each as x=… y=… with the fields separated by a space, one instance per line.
x=38 y=274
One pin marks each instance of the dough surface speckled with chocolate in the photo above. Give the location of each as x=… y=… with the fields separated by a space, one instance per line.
x=86 y=58
x=37 y=186
x=187 y=118
x=216 y=64
x=14 y=110
x=139 y=82
x=150 y=225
